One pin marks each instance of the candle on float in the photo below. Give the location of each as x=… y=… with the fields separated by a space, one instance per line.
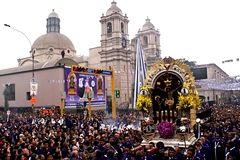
x=162 y=114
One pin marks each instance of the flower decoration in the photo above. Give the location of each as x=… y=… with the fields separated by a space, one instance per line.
x=189 y=100
x=165 y=129
x=144 y=101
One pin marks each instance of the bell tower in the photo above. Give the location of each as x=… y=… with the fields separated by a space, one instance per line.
x=150 y=38
x=115 y=51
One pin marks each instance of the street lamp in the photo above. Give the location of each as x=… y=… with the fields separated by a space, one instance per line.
x=33 y=84
x=7 y=25
x=30 y=44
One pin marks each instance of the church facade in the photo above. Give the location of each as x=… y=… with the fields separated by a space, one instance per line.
x=53 y=51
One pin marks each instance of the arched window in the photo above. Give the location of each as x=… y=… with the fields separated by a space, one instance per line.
x=145 y=40
x=124 y=42
x=122 y=27
x=109 y=27
x=155 y=39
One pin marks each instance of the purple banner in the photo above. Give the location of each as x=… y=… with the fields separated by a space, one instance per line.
x=80 y=87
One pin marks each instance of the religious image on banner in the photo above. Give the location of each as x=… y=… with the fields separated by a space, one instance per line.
x=100 y=85
x=89 y=92
x=72 y=84
x=81 y=87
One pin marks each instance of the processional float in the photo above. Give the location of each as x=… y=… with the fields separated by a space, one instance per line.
x=168 y=100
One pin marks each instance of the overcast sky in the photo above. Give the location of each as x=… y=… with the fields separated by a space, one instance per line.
x=205 y=31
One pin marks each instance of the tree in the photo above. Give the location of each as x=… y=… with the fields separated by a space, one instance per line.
x=6 y=94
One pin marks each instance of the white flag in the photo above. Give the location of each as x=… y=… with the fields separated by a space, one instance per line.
x=140 y=70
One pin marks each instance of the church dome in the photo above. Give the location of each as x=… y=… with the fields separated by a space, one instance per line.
x=53 y=40
x=53 y=14
x=148 y=25
x=113 y=9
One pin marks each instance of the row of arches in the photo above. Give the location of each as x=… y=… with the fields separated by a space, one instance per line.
x=145 y=40
x=110 y=28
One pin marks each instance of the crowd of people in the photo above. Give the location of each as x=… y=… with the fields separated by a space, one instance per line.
x=221 y=133
x=28 y=136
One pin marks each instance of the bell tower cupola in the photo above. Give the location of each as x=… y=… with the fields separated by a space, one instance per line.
x=114 y=28
x=150 y=38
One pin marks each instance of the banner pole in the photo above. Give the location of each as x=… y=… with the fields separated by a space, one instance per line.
x=114 y=112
